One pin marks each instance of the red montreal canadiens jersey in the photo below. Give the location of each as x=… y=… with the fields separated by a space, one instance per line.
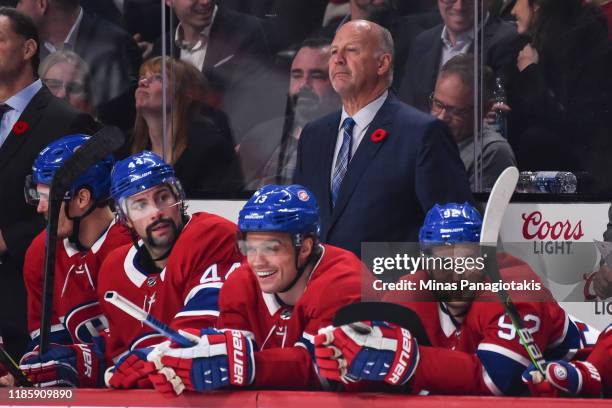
x=76 y=315
x=284 y=334
x=483 y=354
x=185 y=293
x=601 y=358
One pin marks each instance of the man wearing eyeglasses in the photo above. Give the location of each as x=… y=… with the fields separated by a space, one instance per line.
x=431 y=49
x=453 y=103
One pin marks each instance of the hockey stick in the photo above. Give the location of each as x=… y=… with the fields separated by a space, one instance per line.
x=101 y=144
x=383 y=311
x=7 y=362
x=499 y=198
x=139 y=314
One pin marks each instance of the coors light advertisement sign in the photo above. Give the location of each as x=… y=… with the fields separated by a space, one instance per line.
x=557 y=241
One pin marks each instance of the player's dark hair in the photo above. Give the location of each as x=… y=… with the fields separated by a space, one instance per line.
x=24 y=27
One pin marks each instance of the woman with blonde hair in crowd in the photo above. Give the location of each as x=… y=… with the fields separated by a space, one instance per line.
x=204 y=161
x=67 y=77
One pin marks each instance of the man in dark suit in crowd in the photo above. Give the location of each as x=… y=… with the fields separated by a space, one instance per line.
x=286 y=23
x=31 y=118
x=111 y=53
x=268 y=152
x=403 y=28
x=433 y=48
x=142 y=17
x=377 y=166
x=231 y=50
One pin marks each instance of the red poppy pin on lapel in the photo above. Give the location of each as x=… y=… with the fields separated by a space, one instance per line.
x=379 y=135
x=20 y=127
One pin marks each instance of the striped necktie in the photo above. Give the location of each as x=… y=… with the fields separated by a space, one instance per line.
x=344 y=156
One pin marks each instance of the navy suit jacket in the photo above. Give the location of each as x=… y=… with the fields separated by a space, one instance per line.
x=423 y=63
x=389 y=185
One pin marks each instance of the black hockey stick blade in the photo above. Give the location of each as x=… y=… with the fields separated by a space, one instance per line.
x=101 y=144
x=7 y=362
x=383 y=311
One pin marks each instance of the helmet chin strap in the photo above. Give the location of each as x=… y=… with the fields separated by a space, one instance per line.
x=315 y=253
x=73 y=238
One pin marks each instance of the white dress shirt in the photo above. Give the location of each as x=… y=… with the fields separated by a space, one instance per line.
x=18 y=103
x=70 y=41
x=362 y=119
x=196 y=54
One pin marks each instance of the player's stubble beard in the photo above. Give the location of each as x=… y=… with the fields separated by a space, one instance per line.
x=164 y=242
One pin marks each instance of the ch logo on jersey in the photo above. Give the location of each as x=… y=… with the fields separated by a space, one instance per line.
x=85 y=322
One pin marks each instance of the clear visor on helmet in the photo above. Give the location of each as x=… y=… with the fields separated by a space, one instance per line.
x=271 y=247
x=35 y=193
x=149 y=202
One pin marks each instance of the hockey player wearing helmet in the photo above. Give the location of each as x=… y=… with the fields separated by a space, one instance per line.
x=87 y=233
x=475 y=348
x=272 y=306
x=174 y=269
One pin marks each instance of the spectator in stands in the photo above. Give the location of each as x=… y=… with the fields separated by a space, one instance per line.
x=67 y=77
x=453 y=102
x=231 y=50
x=560 y=88
x=434 y=47
x=203 y=160
x=285 y=23
x=138 y=17
x=31 y=117
x=403 y=29
x=268 y=152
x=112 y=55
x=606 y=8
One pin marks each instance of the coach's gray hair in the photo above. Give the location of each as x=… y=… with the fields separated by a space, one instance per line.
x=386 y=46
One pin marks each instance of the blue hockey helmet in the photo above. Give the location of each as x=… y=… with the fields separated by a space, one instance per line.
x=451 y=223
x=289 y=209
x=96 y=178
x=141 y=172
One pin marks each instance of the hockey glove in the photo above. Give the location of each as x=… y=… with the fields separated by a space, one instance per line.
x=578 y=378
x=218 y=359
x=133 y=369
x=375 y=351
x=74 y=365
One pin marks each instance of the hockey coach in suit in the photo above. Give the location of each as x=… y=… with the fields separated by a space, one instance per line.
x=30 y=118
x=378 y=165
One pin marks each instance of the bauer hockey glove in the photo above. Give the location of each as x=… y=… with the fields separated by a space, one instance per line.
x=375 y=351
x=576 y=378
x=218 y=359
x=133 y=369
x=74 y=365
